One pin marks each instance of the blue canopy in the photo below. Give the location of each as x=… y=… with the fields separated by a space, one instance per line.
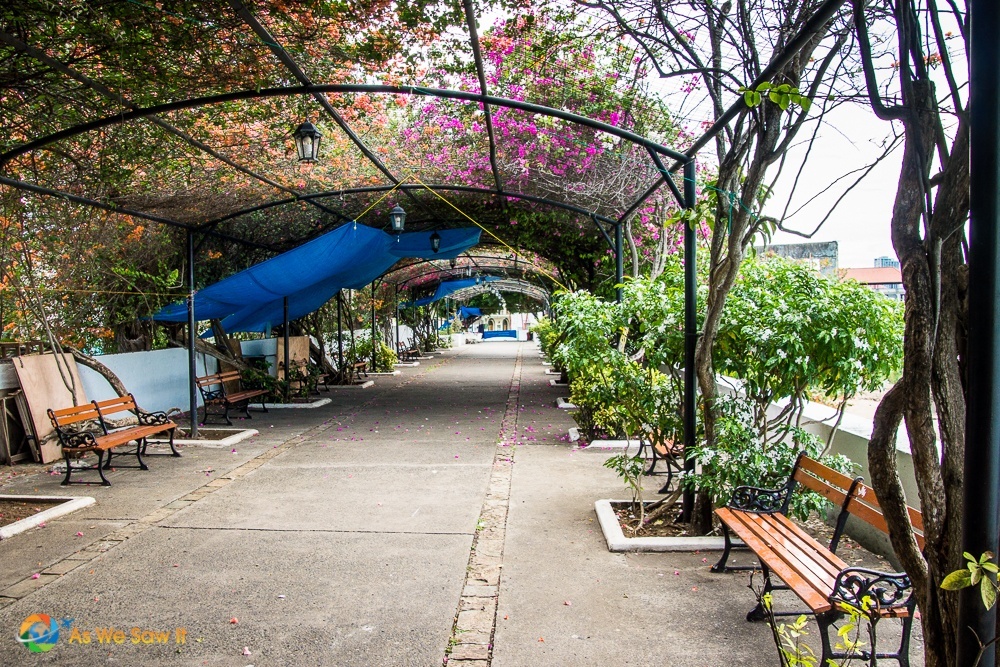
x=348 y=257
x=450 y=286
x=467 y=312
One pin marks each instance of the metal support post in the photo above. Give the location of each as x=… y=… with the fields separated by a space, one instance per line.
x=690 y=415
x=192 y=337
x=288 y=370
x=374 y=343
x=340 y=334
x=982 y=419
x=619 y=263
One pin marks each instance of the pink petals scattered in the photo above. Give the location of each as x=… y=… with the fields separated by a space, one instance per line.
x=36 y=576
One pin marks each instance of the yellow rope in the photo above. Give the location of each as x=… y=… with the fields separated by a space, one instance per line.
x=498 y=239
x=379 y=200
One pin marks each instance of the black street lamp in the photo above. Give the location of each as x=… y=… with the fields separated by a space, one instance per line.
x=307 y=140
x=435 y=241
x=397 y=216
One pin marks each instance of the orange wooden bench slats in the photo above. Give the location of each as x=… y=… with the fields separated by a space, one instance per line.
x=113 y=405
x=77 y=413
x=764 y=544
x=825 y=481
x=867 y=508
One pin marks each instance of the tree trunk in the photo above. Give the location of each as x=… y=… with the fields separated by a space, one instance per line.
x=94 y=364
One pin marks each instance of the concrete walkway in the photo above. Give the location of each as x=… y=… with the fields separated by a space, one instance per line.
x=439 y=515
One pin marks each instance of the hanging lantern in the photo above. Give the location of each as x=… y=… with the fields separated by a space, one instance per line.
x=435 y=241
x=307 y=139
x=397 y=216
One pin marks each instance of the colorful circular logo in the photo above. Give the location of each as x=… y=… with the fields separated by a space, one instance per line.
x=39 y=633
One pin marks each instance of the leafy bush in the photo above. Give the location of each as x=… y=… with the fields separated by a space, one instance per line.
x=385 y=357
x=739 y=458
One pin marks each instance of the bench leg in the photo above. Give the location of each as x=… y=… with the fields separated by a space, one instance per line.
x=225 y=413
x=721 y=565
x=825 y=622
x=69 y=471
x=173 y=448
x=758 y=614
x=100 y=468
x=139 y=447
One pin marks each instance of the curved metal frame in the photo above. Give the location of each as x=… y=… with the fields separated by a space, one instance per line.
x=341 y=88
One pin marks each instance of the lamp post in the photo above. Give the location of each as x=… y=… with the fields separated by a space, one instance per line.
x=307 y=140
x=397 y=216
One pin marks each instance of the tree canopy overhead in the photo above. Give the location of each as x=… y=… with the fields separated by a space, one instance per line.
x=227 y=169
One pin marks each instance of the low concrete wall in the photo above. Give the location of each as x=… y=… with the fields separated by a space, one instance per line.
x=158 y=379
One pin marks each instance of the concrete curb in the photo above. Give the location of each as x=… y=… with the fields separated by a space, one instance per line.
x=557 y=383
x=65 y=506
x=239 y=436
x=318 y=403
x=389 y=373
x=408 y=364
x=549 y=371
x=362 y=385
x=564 y=404
x=617 y=542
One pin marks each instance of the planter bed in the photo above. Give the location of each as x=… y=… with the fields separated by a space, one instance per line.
x=57 y=506
x=617 y=542
x=214 y=437
x=315 y=403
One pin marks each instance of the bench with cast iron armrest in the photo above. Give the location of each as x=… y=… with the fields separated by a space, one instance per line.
x=215 y=394
x=821 y=579
x=85 y=428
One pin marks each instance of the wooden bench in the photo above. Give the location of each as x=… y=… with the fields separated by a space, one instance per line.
x=214 y=394
x=359 y=368
x=814 y=572
x=407 y=353
x=308 y=383
x=93 y=433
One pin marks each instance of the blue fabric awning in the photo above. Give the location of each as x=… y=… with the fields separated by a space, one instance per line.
x=348 y=257
x=467 y=312
x=449 y=287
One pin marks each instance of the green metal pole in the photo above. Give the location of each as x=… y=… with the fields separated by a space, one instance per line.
x=690 y=416
x=192 y=337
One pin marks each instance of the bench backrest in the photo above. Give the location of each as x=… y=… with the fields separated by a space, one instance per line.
x=833 y=485
x=115 y=405
x=864 y=505
x=77 y=413
x=217 y=378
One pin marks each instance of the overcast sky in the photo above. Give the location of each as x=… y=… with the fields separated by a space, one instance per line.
x=860 y=224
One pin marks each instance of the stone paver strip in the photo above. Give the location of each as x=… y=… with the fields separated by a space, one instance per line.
x=471 y=641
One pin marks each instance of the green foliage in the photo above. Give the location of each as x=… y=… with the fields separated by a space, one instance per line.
x=980 y=572
x=630 y=469
x=739 y=458
x=787 y=329
x=259 y=378
x=784 y=95
x=385 y=357
x=789 y=637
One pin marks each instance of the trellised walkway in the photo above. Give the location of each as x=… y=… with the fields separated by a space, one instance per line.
x=438 y=517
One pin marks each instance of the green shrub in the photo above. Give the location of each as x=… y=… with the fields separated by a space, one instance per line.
x=385 y=357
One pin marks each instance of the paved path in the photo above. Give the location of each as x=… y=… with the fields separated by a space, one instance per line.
x=438 y=515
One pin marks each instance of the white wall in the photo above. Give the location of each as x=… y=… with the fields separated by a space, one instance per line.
x=158 y=379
